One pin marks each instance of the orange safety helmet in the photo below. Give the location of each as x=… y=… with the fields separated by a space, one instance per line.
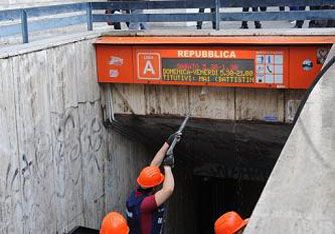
x=150 y=177
x=114 y=223
x=229 y=223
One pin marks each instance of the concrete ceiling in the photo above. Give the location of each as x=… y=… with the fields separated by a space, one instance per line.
x=241 y=150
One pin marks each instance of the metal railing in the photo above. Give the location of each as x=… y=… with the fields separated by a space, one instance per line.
x=22 y=26
x=91 y=12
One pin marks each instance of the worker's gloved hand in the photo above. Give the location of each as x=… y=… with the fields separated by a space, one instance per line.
x=173 y=136
x=168 y=161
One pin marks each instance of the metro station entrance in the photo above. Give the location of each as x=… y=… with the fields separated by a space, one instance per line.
x=236 y=132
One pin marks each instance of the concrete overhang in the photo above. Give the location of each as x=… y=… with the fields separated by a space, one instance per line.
x=153 y=39
x=190 y=32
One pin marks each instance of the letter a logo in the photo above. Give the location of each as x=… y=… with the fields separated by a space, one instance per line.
x=148 y=66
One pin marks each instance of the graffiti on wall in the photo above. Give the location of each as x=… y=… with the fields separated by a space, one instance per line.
x=50 y=168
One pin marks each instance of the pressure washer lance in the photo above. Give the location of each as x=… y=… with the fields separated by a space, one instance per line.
x=170 y=153
x=177 y=134
x=182 y=126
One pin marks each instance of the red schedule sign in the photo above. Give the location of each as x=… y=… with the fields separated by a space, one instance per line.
x=271 y=66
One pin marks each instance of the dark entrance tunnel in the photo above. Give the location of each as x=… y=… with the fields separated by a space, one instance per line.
x=220 y=165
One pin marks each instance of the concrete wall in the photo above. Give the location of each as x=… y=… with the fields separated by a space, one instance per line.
x=59 y=166
x=213 y=103
x=299 y=196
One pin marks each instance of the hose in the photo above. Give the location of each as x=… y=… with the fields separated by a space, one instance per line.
x=310 y=89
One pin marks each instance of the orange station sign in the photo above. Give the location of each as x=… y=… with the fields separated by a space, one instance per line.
x=269 y=62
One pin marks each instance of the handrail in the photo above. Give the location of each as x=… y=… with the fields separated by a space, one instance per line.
x=13 y=14
x=175 y=4
x=90 y=12
x=275 y=3
x=20 y=24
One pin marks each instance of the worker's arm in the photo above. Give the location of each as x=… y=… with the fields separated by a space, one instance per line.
x=168 y=186
x=158 y=159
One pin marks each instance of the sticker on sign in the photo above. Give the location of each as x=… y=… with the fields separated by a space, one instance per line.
x=115 y=61
x=113 y=73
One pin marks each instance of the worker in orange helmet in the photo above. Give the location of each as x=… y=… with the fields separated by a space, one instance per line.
x=145 y=205
x=114 y=223
x=230 y=223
